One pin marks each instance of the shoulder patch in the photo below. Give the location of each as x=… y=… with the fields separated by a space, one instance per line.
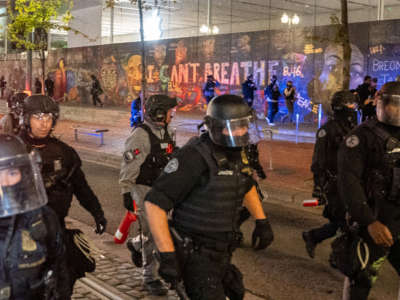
x=352 y=141
x=172 y=166
x=321 y=133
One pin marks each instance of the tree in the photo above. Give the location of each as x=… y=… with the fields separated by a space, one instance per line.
x=345 y=39
x=31 y=22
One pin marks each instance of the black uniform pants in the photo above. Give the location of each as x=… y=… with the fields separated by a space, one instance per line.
x=273 y=108
x=209 y=275
x=362 y=284
x=249 y=101
x=95 y=98
x=324 y=232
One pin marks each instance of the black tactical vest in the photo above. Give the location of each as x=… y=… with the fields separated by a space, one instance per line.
x=384 y=176
x=157 y=159
x=23 y=257
x=213 y=205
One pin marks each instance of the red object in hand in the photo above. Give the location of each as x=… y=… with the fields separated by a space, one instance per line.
x=169 y=149
x=123 y=229
x=310 y=203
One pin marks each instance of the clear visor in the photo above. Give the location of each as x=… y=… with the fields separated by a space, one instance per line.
x=21 y=185
x=388 y=109
x=235 y=132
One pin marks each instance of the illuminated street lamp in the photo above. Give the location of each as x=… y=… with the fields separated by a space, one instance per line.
x=286 y=19
x=208 y=29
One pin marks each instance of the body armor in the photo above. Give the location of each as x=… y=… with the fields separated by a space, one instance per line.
x=157 y=159
x=24 y=264
x=213 y=206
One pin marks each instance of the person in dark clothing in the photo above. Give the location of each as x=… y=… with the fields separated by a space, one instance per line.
x=147 y=150
x=363 y=91
x=61 y=166
x=369 y=185
x=30 y=234
x=290 y=95
x=369 y=105
x=96 y=91
x=209 y=88
x=272 y=94
x=324 y=167
x=206 y=184
x=11 y=123
x=248 y=88
x=136 y=112
x=38 y=86
x=3 y=84
x=49 y=86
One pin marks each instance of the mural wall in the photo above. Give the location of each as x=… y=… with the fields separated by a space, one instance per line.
x=179 y=67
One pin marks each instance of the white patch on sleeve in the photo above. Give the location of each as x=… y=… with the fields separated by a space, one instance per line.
x=321 y=133
x=352 y=141
x=172 y=166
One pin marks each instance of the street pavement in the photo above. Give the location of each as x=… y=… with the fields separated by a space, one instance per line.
x=283 y=271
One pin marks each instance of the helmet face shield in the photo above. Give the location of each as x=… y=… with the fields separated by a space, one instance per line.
x=21 y=186
x=233 y=133
x=388 y=109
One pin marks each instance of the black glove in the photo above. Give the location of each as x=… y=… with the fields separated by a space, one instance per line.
x=169 y=268
x=262 y=234
x=317 y=192
x=101 y=224
x=128 y=201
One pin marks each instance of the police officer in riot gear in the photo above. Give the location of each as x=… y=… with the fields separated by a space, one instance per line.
x=369 y=184
x=147 y=151
x=11 y=122
x=61 y=166
x=324 y=167
x=30 y=234
x=206 y=184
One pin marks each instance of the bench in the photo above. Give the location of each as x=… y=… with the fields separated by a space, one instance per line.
x=90 y=131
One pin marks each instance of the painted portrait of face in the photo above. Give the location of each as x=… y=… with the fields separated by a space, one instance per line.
x=133 y=72
x=160 y=52
x=109 y=75
x=180 y=52
x=331 y=77
x=243 y=44
x=208 y=48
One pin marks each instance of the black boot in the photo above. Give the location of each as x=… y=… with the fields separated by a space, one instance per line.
x=156 y=287
x=135 y=254
x=310 y=244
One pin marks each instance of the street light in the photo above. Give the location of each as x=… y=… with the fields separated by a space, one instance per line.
x=208 y=29
x=295 y=19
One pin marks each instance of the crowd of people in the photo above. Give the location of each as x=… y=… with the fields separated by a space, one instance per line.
x=192 y=200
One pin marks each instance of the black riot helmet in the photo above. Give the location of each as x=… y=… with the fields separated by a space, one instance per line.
x=229 y=121
x=40 y=104
x=21 y=186
x=388 y=104
x=157 y=106
x=344 y=105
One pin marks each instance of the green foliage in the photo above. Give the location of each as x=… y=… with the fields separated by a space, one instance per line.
x=112 y=3
x=38 y=16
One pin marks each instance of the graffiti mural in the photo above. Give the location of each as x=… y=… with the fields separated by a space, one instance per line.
x=179 y=67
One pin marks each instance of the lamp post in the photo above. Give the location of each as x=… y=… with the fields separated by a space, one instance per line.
x=208 y=28
x=290 y=20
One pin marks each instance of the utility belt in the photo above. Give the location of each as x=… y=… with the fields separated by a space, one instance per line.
x=187 y=244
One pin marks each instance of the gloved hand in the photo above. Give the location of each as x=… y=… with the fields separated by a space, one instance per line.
x=128 y=201
x=262 y=234
x=101 y=224
x=169 y=268
x=317 y=192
